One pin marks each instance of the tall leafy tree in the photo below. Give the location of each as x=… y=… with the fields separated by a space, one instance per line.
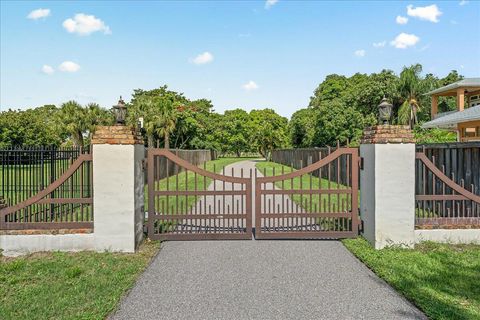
x=269 y=131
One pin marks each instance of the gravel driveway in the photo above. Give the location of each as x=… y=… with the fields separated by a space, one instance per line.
x=261 y=280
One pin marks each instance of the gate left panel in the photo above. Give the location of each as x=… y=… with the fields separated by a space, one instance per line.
x=186 y=202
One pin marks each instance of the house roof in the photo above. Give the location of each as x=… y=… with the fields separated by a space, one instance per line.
x=467 y=82
x=450 y=119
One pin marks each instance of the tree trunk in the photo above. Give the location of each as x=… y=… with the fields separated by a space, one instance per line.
x=150 y=141
x=167 y=140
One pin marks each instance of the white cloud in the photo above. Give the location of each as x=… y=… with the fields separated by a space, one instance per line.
x=379 y=44
x=38 y=14
x=84 y=25
x=429 y=13
x=68 y=66
x=47 y=69
x=404 y=40
x=463 y=2
x=270 y=3
x=250 y=86
x=360 y=53
x=401 y=20
x=203 y=58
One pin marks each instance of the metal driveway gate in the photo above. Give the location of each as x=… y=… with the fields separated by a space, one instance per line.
x=318 y=201
x=186 y=202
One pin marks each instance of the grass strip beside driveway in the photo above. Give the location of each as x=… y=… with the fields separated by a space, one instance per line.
x=443 y=280
x=82 y=285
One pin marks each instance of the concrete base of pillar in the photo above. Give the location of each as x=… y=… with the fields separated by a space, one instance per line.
x=388 y=194
x=118 y=196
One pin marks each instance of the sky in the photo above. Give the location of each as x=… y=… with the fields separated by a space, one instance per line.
x=239 y=54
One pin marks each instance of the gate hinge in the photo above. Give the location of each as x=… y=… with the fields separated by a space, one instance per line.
x=360 y=226
x=360 y=163
x=144 y=164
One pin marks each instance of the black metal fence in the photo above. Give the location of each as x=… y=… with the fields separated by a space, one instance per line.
x=24 y=171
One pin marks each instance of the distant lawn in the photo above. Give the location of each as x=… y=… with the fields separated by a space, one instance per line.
x=83 y=285
x=188 y=181
x=442 y=280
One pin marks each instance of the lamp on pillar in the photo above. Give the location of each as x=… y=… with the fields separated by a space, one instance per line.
x=120 y=111
x=384 y=111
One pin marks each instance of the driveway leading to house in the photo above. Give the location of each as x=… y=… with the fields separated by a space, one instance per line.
x=261 y=280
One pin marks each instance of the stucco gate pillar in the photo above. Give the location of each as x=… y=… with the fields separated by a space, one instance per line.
x=387 y=180
x=118 y=188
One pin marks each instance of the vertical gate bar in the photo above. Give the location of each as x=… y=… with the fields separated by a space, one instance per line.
x=151 y=187
x=258 y=203
x=355 y=167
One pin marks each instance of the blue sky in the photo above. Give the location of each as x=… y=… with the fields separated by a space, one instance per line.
x=253 y=54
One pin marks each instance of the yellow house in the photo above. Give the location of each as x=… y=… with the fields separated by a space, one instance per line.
x=466 y=120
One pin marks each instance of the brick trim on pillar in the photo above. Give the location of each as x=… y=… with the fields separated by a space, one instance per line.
x=116 y=135
x=387 y=134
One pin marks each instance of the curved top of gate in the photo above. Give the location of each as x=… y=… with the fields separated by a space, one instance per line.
x=314 y=166
x=187 y=165
x=449 y=182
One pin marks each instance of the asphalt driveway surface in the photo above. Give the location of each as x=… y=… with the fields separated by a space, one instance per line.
x=261 y=280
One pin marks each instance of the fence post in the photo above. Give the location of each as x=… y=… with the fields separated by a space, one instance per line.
x=387 y=182
x=118 y=188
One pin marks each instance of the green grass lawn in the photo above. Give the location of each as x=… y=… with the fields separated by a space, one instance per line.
x=188 y=181
x=442 y=280
x=315 y=203
x=83 y=285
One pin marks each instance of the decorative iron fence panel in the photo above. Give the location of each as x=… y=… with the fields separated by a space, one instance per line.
x=46 y=188
x=442 y=200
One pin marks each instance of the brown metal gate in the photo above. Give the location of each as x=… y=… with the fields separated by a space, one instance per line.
x=318 y=201
x=186 y=202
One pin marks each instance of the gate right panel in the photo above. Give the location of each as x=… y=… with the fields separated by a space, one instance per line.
x=315 y=202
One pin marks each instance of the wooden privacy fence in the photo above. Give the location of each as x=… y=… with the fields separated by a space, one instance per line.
x=300 y=158
x=46 y=188
x=459 y=161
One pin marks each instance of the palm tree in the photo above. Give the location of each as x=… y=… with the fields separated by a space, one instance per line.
x=410 y=89
x=159 y=117
x=79 y=121
x=72 y=118
x=168 y=121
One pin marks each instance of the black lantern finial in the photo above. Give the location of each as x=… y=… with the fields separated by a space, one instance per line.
x=384 y=111
x=120 y=111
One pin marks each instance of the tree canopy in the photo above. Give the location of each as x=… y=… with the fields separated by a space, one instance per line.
x=340 y=108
